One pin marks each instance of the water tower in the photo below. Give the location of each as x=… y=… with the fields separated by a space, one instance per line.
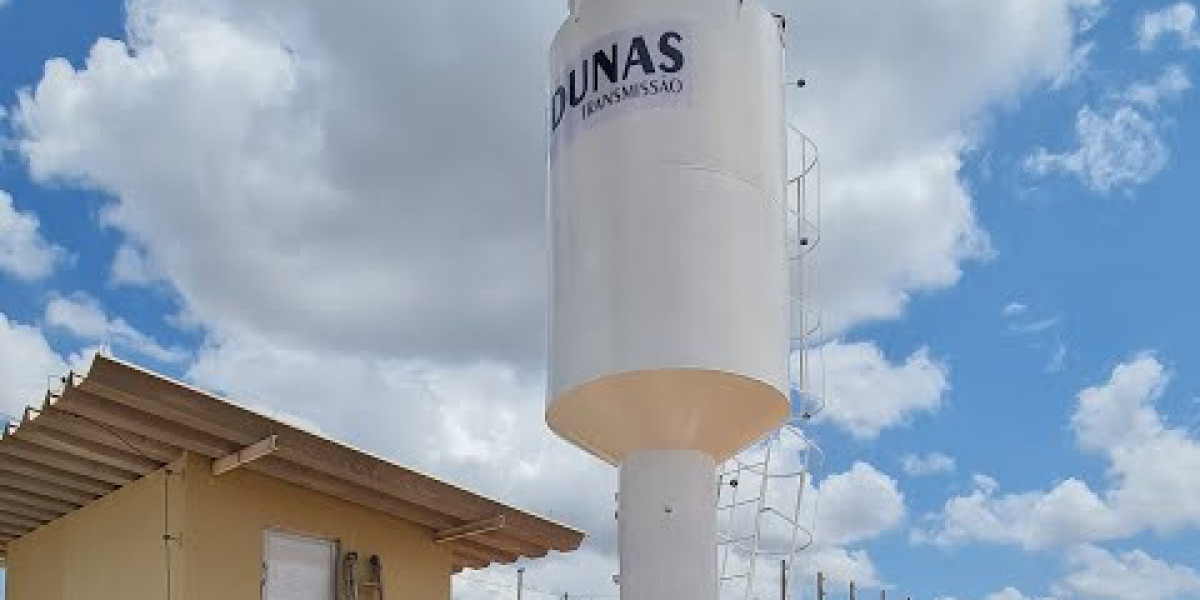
x=669 y=317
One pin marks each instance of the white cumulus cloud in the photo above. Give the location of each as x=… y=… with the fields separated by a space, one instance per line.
x=1006 y=594
x=867 y=393
x=857 y=505
x=1120 y=146
x=1067 y=514
x=274 y=177
x=1178 y=19
x=1011 y=593
x=24 y=253
x=1097 y=574
x=130 y=266
x=82 y=316
x=28 y=366
x=933 y=463
x=1173 y=82
x=1121 y=412
x=266 y=160
x=1151 y=484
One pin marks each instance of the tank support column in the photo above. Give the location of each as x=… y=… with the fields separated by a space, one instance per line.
x=668 y=525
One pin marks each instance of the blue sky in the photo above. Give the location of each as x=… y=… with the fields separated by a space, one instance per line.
x=335 y=215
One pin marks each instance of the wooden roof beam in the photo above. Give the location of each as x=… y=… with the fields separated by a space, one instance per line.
x=463 y=561
x=178 y=403
x=49 y=490
x=311 y=451
x=500 y=545
x=53 y=507
x=85 y=449
x=66 y=462
x=355 y=494
x=207 y=413
x=13 y=464
x=469 y=551
x=19 y=521
x=160 y=430
x=504 y=541
x=14 y=530
x=251 y=453
x=491 y=554
x=471 y=529
x=107 y=434
x=170 y=406
x=15 y=504
x=482 y=554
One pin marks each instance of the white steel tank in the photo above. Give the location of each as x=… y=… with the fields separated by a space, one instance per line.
x=669 y=334
x=667 y=168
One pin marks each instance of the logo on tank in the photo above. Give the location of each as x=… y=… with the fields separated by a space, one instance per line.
x=631 y=69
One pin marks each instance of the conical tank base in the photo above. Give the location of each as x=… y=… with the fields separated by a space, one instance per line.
x=717 y=412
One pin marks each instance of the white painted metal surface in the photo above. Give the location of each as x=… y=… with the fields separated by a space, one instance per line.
x=297 y=567
x=669 y=324
x=668 y=529
x=670 y=295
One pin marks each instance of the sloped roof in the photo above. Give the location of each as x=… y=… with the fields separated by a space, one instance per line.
x=120 y=422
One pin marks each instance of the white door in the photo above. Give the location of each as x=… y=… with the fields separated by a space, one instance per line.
x=296 y=567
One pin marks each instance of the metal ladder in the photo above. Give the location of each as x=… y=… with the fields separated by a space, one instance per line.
x=761 y=490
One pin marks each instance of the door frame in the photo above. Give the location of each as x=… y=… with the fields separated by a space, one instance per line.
x=301 y=535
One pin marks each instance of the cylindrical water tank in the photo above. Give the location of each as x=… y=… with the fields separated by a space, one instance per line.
x=666 y=156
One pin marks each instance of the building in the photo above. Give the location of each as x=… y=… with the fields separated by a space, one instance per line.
x=126 y=485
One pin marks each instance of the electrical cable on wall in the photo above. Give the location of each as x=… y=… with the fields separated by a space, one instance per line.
x=167 y=538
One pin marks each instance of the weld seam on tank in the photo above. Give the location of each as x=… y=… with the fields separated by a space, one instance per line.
x=728 y=175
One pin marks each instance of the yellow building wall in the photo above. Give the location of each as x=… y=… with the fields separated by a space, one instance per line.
x=228 y=514
x=113 y=549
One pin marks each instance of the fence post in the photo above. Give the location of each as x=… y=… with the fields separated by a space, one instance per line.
x=820 y=586
x=783 y=580
x=851 y=590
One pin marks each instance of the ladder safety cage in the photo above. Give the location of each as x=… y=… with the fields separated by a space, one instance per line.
x=761 y=490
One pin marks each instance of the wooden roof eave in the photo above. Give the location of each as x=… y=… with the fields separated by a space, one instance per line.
x=120 y=422
x=202 y=412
